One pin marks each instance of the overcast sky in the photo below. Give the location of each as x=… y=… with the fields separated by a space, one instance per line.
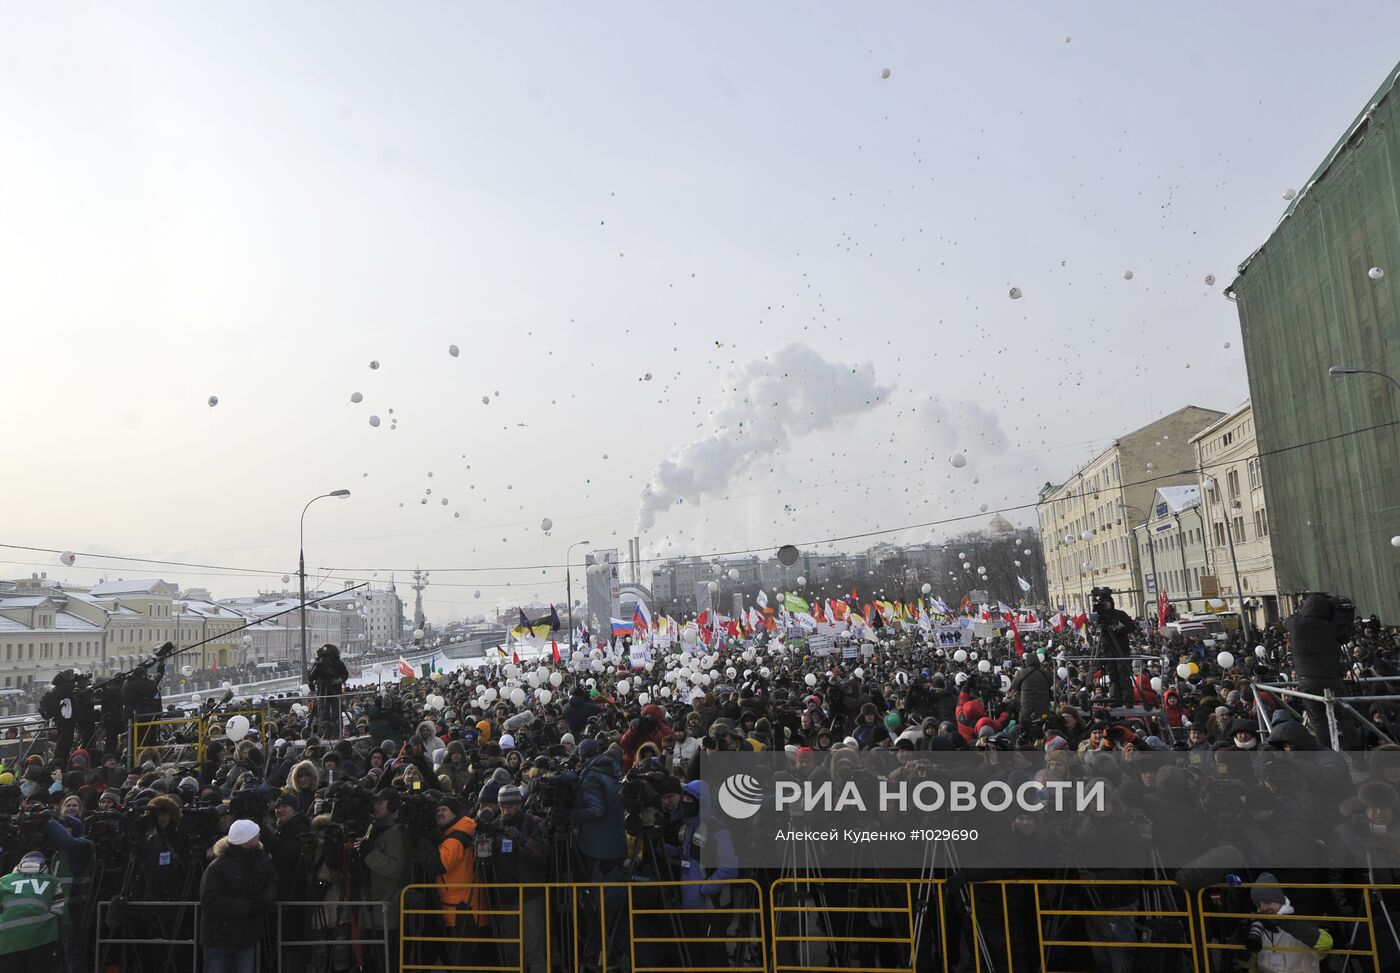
x=812 y=263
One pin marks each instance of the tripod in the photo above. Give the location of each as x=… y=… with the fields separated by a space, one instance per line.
x=814 y=918
x=650 y=849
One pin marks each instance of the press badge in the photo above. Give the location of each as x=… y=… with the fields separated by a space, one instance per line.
x=165 y=858
x=506 y=845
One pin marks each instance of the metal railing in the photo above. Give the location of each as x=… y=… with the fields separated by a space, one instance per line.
x=838 y=918
x=357 y=940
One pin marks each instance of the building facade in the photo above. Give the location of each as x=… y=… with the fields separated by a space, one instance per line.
x=1086 y=521
x=1173 y=554
x=1320 y=292
x=38 y=638
x=1232 y=482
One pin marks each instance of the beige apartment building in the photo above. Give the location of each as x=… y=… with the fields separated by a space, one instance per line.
x=1232 y=488
x=1086 y=522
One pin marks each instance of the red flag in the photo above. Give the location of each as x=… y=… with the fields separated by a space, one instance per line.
x=1030 y=618
x=514 y=657
x=1162 y=605
x=405 y=669
x=554 y=647
x=1057 y=623
x=1080 y=620
x=854 y=596
x=216 y=665
x=1015 y=633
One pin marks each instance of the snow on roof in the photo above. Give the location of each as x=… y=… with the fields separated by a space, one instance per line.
x=141 y=587
x=10 y=625
x=23 y=601
x=1180 y=498
x=65 y=622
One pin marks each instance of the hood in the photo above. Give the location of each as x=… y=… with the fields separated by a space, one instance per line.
x=1294 y=733
x=80 y=754
x=701 y=793
x=654 y=711
x=166 y=803
x=605 y=764
x=1316 y=606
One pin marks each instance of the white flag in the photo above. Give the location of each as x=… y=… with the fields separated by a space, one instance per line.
x=1025 y=585
x=762 y=599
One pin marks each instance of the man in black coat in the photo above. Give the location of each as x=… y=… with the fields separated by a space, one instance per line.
x=1316 y=636
x=327 y=678
x=1113 y=628
x=1032 y=686
x=292 y=850
x=236 y=896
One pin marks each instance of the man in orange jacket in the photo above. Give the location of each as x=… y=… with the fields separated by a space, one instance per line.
x=455 y=866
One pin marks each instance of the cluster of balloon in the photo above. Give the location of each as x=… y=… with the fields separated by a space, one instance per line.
x=237 y=727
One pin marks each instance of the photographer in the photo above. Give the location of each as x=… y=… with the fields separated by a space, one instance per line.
x=1113 y=627
x=292 y=849
x=385 y=852
x=520 y=852
x=1281 y=946
x=1032 y=686
x=163 y=860
x=67 y=705
x=453 y=862
x=601 y=833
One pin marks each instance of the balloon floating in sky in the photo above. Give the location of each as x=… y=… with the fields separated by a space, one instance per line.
x=1375 y=273
x=374 y=365
x=374 y=421
x=1015 y=293
x=546 y=524
x=1289 y=193
x=67 y=558
x=453 y=350
x=476 y=594
x=1127 y=275
x=356 y=397
x=884 y=73
x=213 y=401
x=958 y=460
x=646 y=377
x=486 y=400
x=1210 y=280
x=1227 y=344
x=286 y=578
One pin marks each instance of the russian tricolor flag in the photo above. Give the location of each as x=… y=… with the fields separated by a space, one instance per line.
x=641 y=618
x=621 y=628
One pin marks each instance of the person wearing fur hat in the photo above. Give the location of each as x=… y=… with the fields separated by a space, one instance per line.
x=236 y=896
x=163 y=858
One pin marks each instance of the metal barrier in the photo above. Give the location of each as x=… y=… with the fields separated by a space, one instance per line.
x=142 y=731
x=353 y=940
x=507 y=918
x=1096 y=916
x=1364 y=921
x=134 y=909
x=896 y=902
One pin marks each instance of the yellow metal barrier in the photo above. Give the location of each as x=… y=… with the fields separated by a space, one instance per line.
x=1157 y=905
x=1343 y=942
x=836 y=905
x=143 y=730
x=257 y=723
x=507 y=918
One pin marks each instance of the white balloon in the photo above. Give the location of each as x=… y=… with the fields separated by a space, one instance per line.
x=247 y=641
x=801 y=581
x=1395 y=541
x=623 y=687
x=476 y=594
x=1210 y=280
x=556 y=679
x=489 y=696
x=374 y=365
x=1260 y=651
x=1062 y=672
x=517 y=696
x=1156 y=684
x=1015 y=293
x=374 y=421
x=713 y=586
x=1375 y=273
x=1225 y=660
x=544 y=696
x=187 y=671
x=960 y=678
x=453 y=350
x=960 y=655
x=860 y=673
x=1088 y=535
x=643 y=698
x=67 y=558
x=237 y=727
x=733 y=574
x=213 y=401
x=228 y=685
x=730 y=672
x=356 y=397
x=926 y=588
x=1289 y=193
x=958 y=460
x=546 y=524
x=984 y=666
x=1127 y=275
x=1183 y=670
x=884 y=73
x=810 y=679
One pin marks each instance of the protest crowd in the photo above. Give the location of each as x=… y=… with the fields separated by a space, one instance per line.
x=454 y=820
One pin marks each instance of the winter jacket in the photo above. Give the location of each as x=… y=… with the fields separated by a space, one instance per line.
x=597 y=810
x=1284 y=944
x=970 y=712
x=1315 y=639
x=1033 y=684
x=578 y=711
x=651 y=728
x=238 y=892
x=284 y=847
x=706 y=837
x=388 y=861
x=455 y=862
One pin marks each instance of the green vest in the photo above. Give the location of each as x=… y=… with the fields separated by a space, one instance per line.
x=25 y=917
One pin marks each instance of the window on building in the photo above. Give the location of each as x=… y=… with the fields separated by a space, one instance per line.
x=1219 y=529
x=1232 y=481
x=1238 y=525
x=1261 y=522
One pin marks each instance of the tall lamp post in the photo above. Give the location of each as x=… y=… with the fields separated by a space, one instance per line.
x=569 y=588
x=1337 y=371
x=301 y=568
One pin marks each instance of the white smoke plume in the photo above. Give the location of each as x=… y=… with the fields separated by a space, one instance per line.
x=769 y=402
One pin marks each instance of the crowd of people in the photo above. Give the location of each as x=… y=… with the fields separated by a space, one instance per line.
x=429 y=814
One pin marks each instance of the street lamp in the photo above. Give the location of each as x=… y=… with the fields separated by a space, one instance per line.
x=569 y=588
x=1337 y=371
x=301 y=568
x=1209 y=483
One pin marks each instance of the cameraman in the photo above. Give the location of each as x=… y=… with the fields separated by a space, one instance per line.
x=1282 y=946
x=1114 y=626
x=292 y=846
x=385 y=851
x=1316 y=634
x=327 y=678
x=453 y=862
x=30 y=905
x=600 y=828
x=59 y=705
x=520 y=850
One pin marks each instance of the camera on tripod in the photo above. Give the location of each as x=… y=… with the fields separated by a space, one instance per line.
x=642 y=799
x=553 y=795
x=418 y=813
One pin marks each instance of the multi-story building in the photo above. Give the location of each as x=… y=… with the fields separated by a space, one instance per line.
x=1321 y=292
x=210 y=626
x=1172 y=551
x=38 y=638
x=1232 y=481
x=1086 y=521
x=277 y=636
x=383 y=616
